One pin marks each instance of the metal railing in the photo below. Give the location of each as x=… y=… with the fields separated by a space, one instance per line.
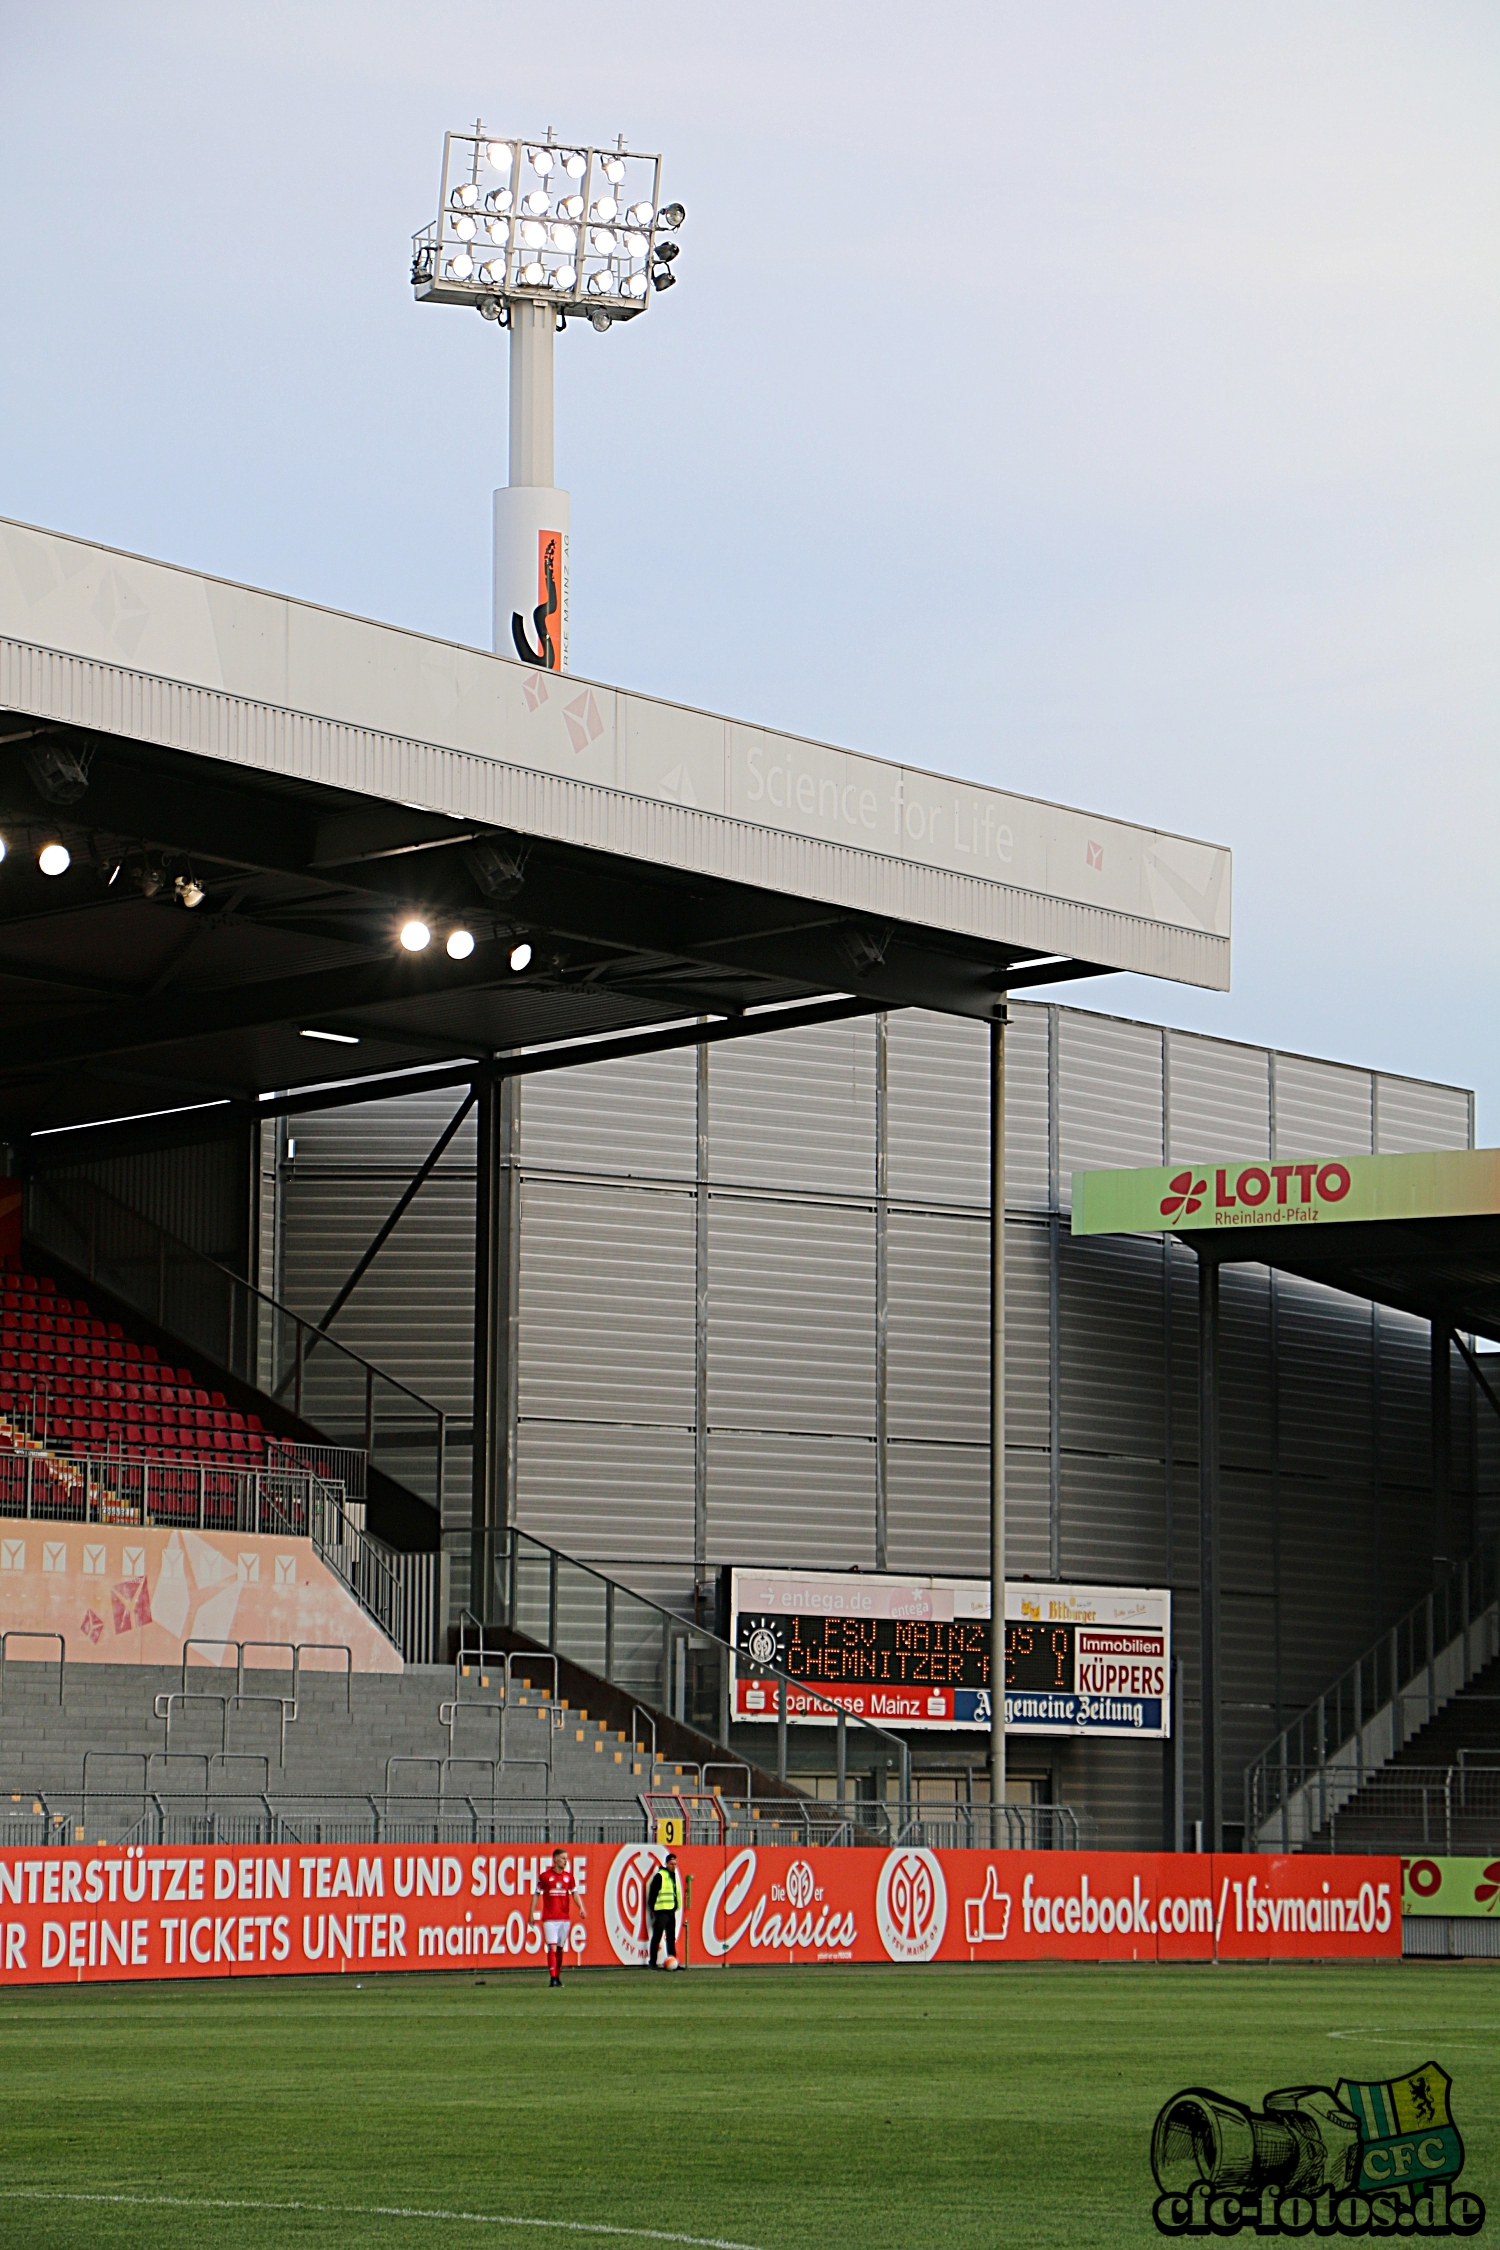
x=105 y=1815
x=1407 y=1809
x=65 y=1487
x=1324 y=1756
x=241 y=1329
x=660 y=1658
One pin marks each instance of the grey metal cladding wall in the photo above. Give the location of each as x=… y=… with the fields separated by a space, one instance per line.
x=606 y=1303
x=1327 y=1615
x=1028 y=1515
x=1120 y=1782
x=1246 y=1420
x=1405 y=1427
x=937 y=1507
x=1111 y=1357
x=1113 y=1520
x=1326 y=1400
x=200 y=1194
x=1248 y=1553
x=636 y=1117
x=937 y=1368
x=1219 y=1099
x=413 y=1313
x=601 y=1492
x=795 y=1109
x=937 y=1082
x=393 y=1136
x=1027 y=1111
x=1320 y=1106
x=1109 y=1095
x=1028 y=1357
x=782 y=1498
x=1413 y=1116
x=791 y=1316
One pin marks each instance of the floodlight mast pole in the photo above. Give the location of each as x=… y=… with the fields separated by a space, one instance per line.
x=532 y=518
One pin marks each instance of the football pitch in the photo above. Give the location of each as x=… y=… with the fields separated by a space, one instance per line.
x=834 y=2109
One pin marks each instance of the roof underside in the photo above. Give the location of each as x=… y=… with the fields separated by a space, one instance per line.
x=1441 y=1269
x=323 y=779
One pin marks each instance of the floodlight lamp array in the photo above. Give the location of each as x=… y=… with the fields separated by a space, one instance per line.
x=547 y=221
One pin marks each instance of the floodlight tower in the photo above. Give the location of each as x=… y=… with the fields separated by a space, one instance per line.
x=529 y=232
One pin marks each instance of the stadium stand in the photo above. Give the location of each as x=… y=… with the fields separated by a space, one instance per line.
x=71 y=1383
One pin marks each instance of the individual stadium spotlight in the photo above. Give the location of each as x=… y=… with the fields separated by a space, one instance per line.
x=520 y=957
x=54 y=859
x=528 y=232
x=415 y=936
x=3 y=847
x=190 y=891
x=460 y=945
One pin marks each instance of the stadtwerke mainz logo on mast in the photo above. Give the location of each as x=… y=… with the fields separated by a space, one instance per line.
x=1376 y=2158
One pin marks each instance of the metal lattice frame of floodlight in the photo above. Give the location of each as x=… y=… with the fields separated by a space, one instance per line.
x=546 y=222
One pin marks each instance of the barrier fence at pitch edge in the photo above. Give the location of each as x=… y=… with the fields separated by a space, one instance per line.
x=94 y=1916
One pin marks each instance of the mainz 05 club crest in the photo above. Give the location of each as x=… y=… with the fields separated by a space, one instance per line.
x=1355 y=2159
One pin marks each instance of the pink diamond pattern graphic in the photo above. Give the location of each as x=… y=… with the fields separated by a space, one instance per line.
x=535 y=691
x=584 y=723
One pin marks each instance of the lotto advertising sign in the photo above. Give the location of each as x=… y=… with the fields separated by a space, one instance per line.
x=1323 y=1190
x=136 y=1912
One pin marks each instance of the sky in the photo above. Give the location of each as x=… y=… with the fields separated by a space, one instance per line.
x=1097 y=400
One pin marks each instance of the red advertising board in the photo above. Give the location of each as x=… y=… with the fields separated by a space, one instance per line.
x=139 y=1912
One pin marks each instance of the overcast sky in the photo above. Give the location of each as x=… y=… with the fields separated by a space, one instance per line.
x=1098 y=398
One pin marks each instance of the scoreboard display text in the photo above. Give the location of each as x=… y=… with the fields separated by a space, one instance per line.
x=1095 y=1660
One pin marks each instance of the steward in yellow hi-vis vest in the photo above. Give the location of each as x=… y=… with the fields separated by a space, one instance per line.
x=663 y=1905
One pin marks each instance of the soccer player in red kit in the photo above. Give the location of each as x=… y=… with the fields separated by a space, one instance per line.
x=553 y=1908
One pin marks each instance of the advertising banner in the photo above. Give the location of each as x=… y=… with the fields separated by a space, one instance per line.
x=81 y=1916
x=914 y=1652
x=1468 y=1887
x=1319 y=1191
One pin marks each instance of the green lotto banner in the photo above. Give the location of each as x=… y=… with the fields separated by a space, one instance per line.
x=1451 y=1886
x=1312 y=1191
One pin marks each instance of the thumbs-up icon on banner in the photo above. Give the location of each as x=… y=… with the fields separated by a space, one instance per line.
x=987 y=1918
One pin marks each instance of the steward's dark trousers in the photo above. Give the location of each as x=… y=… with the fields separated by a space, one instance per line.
x=663 y=1931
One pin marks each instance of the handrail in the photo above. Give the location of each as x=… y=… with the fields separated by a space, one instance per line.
x=240 y=1332
x=1382 y=1678
x=675 y=1629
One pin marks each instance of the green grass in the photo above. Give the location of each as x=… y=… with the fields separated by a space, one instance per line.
x=792 y=2110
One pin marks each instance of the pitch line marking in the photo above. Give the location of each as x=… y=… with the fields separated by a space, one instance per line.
x=373 y=2211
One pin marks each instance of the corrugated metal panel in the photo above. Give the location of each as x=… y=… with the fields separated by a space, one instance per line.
x=1326 y=1619
x=1405 y=1400
x=1028 y=1375
x=1119 y=1782
x=1321 y=1106
x=1112 y=1391
x=599 y=1490
x=1027 y=1178
x=637 y=1117
x=791 y=1317
x=937 y=1507
x=937 y=1380
x=387 y=1137
x=1414 y=1116
x=779 y=1499
x=795 y=1109
x=1113 y=1520
x=1326 y=1391
x=1245 y=1401
x=1219 y=1099
x=202 y=1194
x=1028 y=1515
x=1109 y=1095
x=1248 y=1555
x=937 y=1078
x=606 y=1304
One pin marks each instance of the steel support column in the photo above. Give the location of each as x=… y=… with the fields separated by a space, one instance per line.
x=997 y=1426
x=1443 y=1543
x=493 y=1230
x=1208 y=1550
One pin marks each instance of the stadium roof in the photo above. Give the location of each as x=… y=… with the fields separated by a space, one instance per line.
x=322 y=778
x=1421 y=1232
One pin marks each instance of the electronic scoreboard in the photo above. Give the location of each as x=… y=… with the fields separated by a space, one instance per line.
x=915 y=1652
